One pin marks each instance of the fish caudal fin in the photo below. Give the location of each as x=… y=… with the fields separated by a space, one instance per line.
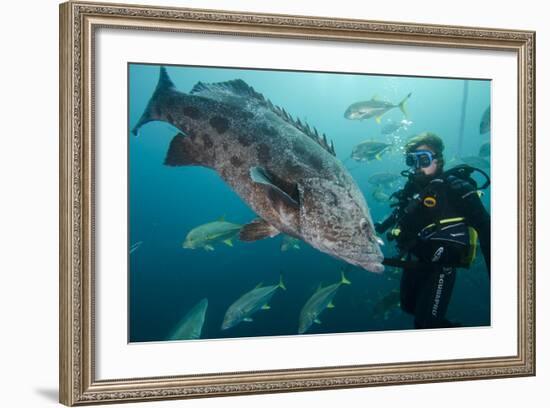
x=344 y=280
x=256 y=230
x=164 y=85
x=281 y=283
x=403 y=105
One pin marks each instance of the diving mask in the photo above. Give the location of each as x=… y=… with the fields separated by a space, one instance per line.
x=420 y=159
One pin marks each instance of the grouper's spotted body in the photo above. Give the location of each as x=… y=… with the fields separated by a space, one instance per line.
x=280 y=167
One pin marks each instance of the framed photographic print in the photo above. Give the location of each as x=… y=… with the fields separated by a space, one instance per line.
x=262 y=203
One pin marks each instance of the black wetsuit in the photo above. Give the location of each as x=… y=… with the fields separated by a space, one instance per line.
x=426 y=289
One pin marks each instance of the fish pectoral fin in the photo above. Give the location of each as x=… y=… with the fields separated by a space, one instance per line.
x=317 y=321
x=378 y=119
x=266 y=307
x=330 y=306
x=181 y=152
x=278 y=193
x=256 y=230
x=228 y=242
x=208 y=247
x=247 y=319
x=378 y=156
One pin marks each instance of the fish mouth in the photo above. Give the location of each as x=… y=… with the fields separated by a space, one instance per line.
x=375 y=267
x=372 y=263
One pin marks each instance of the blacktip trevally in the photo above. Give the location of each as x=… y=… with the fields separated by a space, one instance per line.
x=374 y=108
x=190 y=326
x=205 y=235
x=319 y=301
x=485 y=122
x=485 y=150
x=134 y=247
x=280 y=167
x=393 y=127
x=370 y=150
x=249 y=303
x=290 y=243
x=383 y=179
x=379 y=195
x=386 y=304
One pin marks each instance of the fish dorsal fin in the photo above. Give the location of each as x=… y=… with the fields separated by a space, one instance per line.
x=237 y=87
x=375 y=97
x=235 y=92
x=222 y=218
x=303 y=127
x=259 y=285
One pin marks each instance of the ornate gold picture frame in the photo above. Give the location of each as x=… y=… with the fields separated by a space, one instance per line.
x=79 y=381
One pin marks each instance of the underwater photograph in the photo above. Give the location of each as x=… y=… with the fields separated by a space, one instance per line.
x=283 y=203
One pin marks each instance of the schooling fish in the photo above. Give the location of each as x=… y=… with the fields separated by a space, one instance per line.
x=204 y=236
x=374 y=108
x=383 y=308
x=319 y=301
x=383 y=179
x=485 y=150
x=134 y=247
x=369 y=150
x=190 y=326
x=379 y=195
x=280 y=167
x=290 y=243
x=249 y=303
x=392 y=127
x=485 y=123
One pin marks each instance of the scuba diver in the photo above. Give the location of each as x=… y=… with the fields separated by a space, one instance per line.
x=436 y=221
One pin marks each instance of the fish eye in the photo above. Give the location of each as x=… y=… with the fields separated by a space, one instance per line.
x=363 y=224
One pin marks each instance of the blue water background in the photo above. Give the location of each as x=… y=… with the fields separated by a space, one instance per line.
x=165 y=203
